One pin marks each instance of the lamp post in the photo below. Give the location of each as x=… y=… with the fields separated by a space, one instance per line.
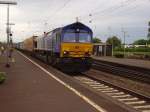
x=148 y=36
x=10 y=38
x=124 y=41
x=8 y=3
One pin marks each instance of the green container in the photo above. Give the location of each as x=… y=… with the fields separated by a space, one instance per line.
x=2 y=77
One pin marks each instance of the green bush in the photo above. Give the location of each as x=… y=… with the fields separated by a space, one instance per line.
x=119 y=55
x=2 y=77
x=118 y=49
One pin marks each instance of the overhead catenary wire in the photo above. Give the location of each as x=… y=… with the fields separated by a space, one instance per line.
x=106 y=11
x=97 y=13
x=49 y=20
x=59 y=9
x=114 y=8
x=133 y=8
x=126 y=11
x=115 y=11
x=109 y=10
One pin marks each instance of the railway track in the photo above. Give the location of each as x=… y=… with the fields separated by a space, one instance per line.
x=133 y=73
x=125 y=96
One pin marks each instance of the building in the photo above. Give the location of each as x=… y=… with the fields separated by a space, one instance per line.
x=136 y=46
x=102 y=49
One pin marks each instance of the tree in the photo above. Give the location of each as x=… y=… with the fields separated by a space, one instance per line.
x=115 y=41
x=140 y=42
x=96 y=40
x=148 y=36
x=148 y=42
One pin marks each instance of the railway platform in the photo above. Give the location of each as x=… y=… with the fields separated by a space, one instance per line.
x=29 y=88
x=32 y=86
x=124 y=61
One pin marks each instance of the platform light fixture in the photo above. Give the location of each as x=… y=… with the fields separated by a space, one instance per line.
x=8 y=3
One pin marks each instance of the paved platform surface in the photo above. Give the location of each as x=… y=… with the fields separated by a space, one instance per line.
x=131 y=62
x=29 y=89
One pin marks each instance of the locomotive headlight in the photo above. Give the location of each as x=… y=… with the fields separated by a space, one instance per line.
x=78 y=30
x=66 y=53
x=87 y=53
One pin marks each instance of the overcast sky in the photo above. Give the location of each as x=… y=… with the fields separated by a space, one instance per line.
x=108 y=17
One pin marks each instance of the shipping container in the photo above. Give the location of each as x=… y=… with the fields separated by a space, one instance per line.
x=29 y=44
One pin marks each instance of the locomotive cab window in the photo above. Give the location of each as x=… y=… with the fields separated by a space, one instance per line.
x=84 y=37
x=69 y=36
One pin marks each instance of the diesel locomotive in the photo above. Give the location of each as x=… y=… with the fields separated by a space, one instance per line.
x=69 y=48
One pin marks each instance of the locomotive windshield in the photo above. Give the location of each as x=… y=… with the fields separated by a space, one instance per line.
x=84 y=37
x=69 y=37
x=74 y=36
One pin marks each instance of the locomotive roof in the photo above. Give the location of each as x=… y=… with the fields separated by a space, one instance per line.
x=76 y=26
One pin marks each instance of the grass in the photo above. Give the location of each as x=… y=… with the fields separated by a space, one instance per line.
x=2 y=74
x=136 y=55
x=2 y=77
x=132 y=53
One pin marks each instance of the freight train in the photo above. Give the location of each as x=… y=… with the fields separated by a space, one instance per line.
x=69 y=48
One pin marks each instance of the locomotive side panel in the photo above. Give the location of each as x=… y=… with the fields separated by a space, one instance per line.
x=40 y=43
x=48 y=42
x=53 y=41
x=56 y=42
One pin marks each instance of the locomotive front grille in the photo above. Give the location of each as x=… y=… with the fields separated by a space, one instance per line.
x=76 y=49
